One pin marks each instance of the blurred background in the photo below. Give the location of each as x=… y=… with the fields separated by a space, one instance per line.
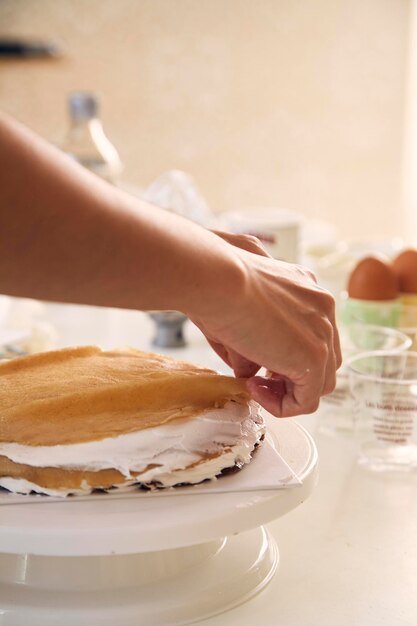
x=266 y=103
x=291 y=119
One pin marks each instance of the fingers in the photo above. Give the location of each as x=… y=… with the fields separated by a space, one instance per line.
x=336 y=339
x=331 y=337
x=279 y=396
x=268 y=393
x=299 y=392
x=242 y=367
x=331 y=313
x=319 y=376
x=245 y=242
x=302 y=392
x=306 y=392
x=282 y=398
x=329 y=382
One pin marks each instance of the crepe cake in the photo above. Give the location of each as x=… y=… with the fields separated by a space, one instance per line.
x=80 y=419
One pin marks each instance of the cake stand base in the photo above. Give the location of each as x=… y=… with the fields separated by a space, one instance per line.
x=164 y=588
x=157 y=561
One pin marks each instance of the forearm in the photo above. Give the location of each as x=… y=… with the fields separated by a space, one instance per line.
x=69 y=237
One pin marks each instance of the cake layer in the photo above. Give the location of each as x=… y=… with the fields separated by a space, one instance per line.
x=189 y=451
x=85 y=394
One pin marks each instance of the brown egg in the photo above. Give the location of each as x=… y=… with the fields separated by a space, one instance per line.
x=405 y=268
x=372 y=279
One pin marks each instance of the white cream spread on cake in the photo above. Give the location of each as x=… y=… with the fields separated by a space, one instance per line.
x=229 y=434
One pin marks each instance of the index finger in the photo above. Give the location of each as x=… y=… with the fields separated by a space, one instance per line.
x=285 y=398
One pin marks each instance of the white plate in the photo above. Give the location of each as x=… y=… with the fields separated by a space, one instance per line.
x=106 y=525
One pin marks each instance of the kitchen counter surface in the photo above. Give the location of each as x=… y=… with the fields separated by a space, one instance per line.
x=348 y=556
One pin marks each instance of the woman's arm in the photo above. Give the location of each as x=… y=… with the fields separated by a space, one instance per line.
x=67 y=236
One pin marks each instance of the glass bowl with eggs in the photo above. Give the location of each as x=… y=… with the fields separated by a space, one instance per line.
x=378 y=311
x=383 y=292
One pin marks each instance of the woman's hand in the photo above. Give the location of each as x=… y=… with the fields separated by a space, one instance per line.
x=276 y=317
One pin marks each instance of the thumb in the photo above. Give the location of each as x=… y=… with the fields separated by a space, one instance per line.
x=270 y=392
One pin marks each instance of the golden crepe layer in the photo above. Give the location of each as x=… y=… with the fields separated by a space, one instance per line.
x=84 y=394
x=58 y=478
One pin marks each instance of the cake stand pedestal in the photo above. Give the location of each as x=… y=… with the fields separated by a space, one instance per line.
x=157 y=561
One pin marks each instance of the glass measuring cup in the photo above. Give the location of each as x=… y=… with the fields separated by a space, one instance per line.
x=383 y=387
x=335 y=413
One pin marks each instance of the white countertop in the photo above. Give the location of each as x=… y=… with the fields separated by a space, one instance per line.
x=348 y=554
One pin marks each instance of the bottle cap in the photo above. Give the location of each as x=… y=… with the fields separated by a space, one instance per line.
x=83 y=105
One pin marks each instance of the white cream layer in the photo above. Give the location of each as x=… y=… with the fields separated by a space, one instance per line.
x=171 y=447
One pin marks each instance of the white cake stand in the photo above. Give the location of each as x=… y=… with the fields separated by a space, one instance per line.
x=156 y=562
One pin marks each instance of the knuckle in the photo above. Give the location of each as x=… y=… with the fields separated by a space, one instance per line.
x=339 y=360
x=310 y=274
x=321 y=352
x=311 y=406
x=252 y=240
x=324 y=330
x=319 y=320
x=306 y=272
x=330 y=384
x=328 y=303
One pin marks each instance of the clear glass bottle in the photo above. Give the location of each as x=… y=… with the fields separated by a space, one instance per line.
x=86 y=141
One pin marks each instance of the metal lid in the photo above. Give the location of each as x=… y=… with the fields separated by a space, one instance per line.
x=83 y=105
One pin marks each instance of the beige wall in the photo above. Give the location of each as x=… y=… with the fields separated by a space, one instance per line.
x=295 y=103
